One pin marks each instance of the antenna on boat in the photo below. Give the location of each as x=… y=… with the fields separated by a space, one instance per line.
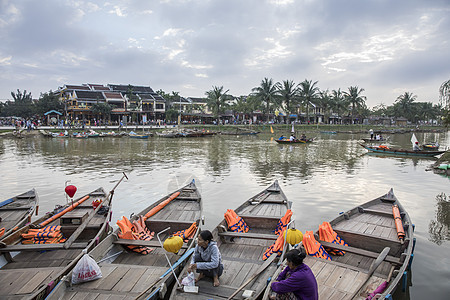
x=168 y=260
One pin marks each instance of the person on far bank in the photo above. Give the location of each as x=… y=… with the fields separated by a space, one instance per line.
x=207 y=259
x=296 y=281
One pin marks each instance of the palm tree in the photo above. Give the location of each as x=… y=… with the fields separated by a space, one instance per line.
x=216 y=100
x=354 y=98
x=308 y=93
x=403 y=106
x=338 y=102
x=268 y=93
x=326 y=103
x=289 y=96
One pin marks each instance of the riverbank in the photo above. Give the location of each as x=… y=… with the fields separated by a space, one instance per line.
x=276 y=129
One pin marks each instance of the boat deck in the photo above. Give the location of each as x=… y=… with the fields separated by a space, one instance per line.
x=367 y=234
x=117 y=282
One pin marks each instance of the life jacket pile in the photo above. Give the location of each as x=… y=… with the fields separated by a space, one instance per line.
x=276 y=247
x=187 y=233
x=313 y=247
x=327 y=234
x=235 y=223
x=283 y=222
x=46 y=235
x=135 y=231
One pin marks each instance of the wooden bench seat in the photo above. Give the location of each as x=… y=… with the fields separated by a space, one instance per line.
x=41 y=247
x=376 y=243
x=249 y=235
x=390 y=259
x=152 y=243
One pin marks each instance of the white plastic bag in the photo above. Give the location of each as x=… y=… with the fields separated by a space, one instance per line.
x=86 y=270
x=189 y=280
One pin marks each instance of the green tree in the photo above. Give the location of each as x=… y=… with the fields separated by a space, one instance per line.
x=309 y=94
x=102 y=109
x=354 y=98
x=216 y=101
x=48 y=101
x=289 y=96
x=22 y=105
x=242 y=106
x=268 y=93
x=338 y=102
x=403 y=106
x=325 y=102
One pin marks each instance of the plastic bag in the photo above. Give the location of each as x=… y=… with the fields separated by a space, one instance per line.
x=86 y=270
x=189 y=280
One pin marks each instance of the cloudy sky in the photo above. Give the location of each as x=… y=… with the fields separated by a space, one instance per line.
x=188 y=46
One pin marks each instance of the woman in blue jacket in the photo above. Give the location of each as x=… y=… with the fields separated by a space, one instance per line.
x=207 y=259
x=296 y=281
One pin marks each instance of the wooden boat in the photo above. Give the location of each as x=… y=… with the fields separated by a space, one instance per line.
x=367 y=229
x=130 y=275
x=242 y=253
x=287 y=141
x=139 y=136
x=369 y=140
x=34 y=271
x=430 y=147
x=240 y=131
x=16 y=212
x=396 y=151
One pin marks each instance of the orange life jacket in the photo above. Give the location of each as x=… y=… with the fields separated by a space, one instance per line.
x=187 y=233
x=276 y=247
x=313 y=247
x=135 y=231
x=383 y=147
x=2 y=231
x=46 y=235
x=235 y=223
x=398 y=222
x=282 y=223
x=327 y=234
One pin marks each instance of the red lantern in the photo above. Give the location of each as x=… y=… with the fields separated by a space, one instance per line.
x=70 y=190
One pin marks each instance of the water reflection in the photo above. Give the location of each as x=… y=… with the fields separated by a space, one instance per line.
x=439 y=228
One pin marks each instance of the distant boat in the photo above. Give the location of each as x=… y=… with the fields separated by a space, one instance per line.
x=328 y=132
x=287 y=141
x=395 y=151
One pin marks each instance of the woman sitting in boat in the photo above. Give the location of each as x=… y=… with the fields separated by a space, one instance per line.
x=292 y=138
x=416 y=147
x=303 y=137
x=207 y=259
x=296 y=281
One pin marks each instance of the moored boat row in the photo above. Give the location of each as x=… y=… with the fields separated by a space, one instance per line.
x=149 y=253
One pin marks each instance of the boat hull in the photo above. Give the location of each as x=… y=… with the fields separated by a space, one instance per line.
x=242 y=252
x=367 y=229
x=141 y=276
x=402 y=152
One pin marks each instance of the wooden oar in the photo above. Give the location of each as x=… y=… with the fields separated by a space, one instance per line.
x=372 y=269
x=80 y=228
x=260 y=201
x=259 y=271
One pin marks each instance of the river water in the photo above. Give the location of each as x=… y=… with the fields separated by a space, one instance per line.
x=322 y=179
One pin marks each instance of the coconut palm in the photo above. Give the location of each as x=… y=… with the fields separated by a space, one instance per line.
x=308 y=94
x=403 y=106
x=338 y=102
x=354 y=98
x=325 y=101
x=288 y=96
x=267 y=93
x=216 y=101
